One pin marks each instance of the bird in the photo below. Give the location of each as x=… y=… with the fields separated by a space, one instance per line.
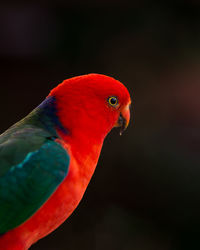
x=48 y=158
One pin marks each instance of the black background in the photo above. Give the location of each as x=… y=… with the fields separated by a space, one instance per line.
x=145 y=194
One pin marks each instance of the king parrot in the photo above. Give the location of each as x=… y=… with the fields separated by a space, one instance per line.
x=48 y=158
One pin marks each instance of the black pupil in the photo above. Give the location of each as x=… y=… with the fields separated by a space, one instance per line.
x=113 y=101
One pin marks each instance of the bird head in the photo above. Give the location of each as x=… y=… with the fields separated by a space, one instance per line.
x=93 y=104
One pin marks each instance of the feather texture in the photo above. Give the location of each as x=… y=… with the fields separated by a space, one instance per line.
x=32 y=165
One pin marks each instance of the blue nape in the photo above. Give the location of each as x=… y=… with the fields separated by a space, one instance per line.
x=47 y=112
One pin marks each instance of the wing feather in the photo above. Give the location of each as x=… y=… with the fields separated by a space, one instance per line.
x=31 y=168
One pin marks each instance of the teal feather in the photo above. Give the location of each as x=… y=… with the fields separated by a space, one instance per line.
x=32 y=166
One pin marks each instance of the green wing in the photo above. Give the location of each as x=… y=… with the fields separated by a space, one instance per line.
x=32 y=165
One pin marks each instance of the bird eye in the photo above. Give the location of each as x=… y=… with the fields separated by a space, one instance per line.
x=113 y=101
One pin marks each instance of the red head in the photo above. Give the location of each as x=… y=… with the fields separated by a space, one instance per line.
x=92 y=105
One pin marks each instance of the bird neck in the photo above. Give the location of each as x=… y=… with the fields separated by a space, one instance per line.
x=83 y=147
x=45 y=116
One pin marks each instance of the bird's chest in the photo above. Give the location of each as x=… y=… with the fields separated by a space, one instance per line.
x=69 y=194
x=62 y=203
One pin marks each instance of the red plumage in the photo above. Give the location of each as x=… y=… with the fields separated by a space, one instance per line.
x=82 y=109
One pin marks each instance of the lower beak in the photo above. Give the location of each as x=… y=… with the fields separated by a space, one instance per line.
x=123 y=119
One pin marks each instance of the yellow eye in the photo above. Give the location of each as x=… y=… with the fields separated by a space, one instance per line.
x=113 y=101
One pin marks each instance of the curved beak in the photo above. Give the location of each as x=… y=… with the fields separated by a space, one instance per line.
x=123 y=119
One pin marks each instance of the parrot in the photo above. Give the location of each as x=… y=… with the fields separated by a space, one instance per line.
x=48 y=158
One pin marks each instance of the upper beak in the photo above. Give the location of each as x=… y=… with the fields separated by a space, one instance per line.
x=124 y=119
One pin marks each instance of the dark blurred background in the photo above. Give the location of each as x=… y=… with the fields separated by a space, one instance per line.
x=145 y=194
